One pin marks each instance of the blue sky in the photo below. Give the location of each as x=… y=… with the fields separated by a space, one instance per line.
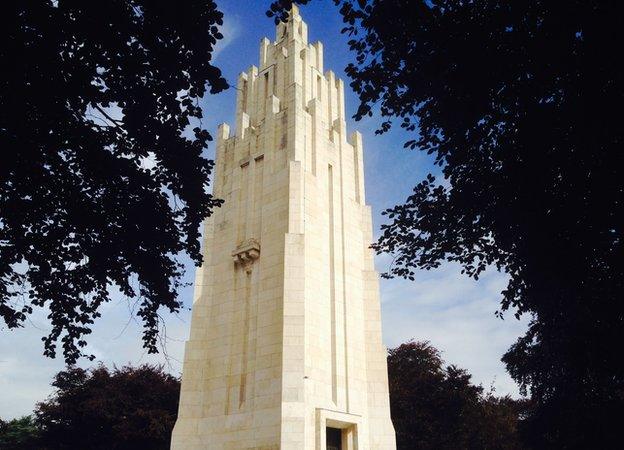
x=453 y=312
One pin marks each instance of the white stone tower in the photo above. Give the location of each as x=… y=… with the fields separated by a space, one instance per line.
x=285 y=350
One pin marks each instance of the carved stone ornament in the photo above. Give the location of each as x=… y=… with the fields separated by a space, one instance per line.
x=246 y=253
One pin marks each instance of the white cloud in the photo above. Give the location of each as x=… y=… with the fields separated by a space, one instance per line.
x=25 y=374
x=230 y=30
x=456 y=314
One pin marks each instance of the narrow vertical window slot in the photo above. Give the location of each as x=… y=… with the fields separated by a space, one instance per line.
x=242 y=202
x=257 y=196
x=242 y=389
x=319 y=85
x=303 y=77
x=332 y=283
x=265 y=93
x=244 y=88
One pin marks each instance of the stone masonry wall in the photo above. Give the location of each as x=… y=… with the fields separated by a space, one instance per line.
x=286 y=329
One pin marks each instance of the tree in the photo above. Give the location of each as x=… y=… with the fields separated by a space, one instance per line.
x=127 y=408
x=437 y=407
x=102 y=179
x=19 y=434
x=519 y=104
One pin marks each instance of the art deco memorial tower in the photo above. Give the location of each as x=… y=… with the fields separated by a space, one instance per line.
x=285 y=350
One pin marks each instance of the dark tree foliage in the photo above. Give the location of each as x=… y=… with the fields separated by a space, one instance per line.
x=519 y=104
x=437 y=407
x=90 y=91
x=127 y=408
x=19 y=434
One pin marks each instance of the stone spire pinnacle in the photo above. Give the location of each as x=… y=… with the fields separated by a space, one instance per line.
x=294 y=11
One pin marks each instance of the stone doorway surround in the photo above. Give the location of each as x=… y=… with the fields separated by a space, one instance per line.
x=348 y=423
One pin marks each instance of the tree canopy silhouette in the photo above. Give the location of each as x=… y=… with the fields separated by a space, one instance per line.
x=102 y=179
x=126 y=408
x=519 y=104
x=438 y=407
x=19 y=434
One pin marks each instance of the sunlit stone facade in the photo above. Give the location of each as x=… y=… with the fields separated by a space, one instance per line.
x=285 y=343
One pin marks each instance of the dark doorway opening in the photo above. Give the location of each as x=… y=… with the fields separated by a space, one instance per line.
x=334 y=438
